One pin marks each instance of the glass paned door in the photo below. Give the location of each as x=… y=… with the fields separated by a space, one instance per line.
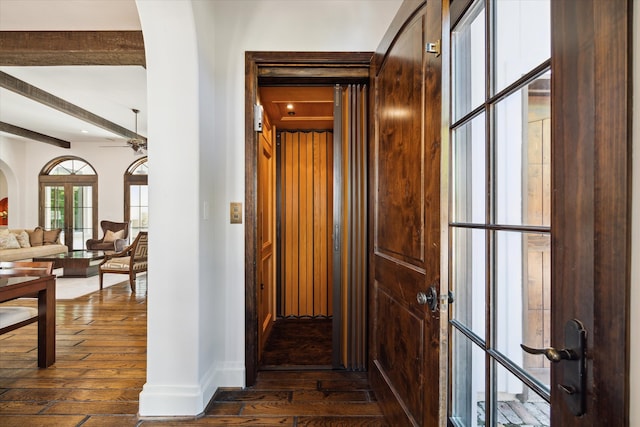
x=499 y=214
x=70 y=208
x=138 y=209
x=54 y=208
x=82 y=220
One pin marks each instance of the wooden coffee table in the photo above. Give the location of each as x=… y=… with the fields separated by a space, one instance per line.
x=76 y=263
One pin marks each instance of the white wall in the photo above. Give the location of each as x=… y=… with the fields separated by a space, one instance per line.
x=195 y=80
x=21 y=162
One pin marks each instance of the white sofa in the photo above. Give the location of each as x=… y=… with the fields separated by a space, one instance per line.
x=37 y=247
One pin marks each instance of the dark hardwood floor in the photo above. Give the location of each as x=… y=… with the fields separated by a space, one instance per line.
x=101 y=367
x=298 y=343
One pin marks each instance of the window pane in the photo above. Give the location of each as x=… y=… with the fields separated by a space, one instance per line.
x=139 y=209
x=468 y=56
x=469 y=172
x=517 y=404
x=468 y=381
x=144 y=195
x=523 y=39
x=142 y=169
x=523 y=156
x=523 y=299
x=468 y=278
x=54 y=208
x=72 y=167
x=82 y=215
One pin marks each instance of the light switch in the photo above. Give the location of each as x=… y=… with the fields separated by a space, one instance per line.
x=236 y=213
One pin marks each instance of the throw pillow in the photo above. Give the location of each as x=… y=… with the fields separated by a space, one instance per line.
x=50 y=237
x=9 y=241
x=110 y=236
x=23 y=238
x=36 y=236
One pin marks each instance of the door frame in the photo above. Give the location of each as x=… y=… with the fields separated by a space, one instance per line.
x=68 y=182
x=591 y=198
x=305 y=68
x=591 y=194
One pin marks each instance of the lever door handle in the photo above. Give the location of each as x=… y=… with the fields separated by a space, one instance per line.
x=573 y=385
x=551 y=353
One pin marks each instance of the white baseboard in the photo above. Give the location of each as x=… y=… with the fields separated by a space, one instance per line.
x=189 y=401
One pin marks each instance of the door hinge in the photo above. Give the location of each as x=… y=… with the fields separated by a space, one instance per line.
x=433 y=47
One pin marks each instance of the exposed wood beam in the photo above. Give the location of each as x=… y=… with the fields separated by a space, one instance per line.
x=25 y=89
x=26 y=133
x=38 y=48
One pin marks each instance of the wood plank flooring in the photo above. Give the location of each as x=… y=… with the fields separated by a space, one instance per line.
x=302 y=343
x=101 y=367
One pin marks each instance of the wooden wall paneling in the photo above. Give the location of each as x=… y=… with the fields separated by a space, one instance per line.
x=319 y=144
x=305 y=213
x=307 y=220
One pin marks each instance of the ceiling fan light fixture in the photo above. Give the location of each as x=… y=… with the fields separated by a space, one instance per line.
x=139 y=146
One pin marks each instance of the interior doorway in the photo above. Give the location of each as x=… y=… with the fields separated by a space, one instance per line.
x=316 y=317
x=314 y=295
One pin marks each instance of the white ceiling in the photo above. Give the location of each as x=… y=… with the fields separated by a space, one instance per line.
x=107 y=91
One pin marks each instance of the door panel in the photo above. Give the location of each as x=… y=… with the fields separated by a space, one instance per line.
x=405 y=258
x=306 y=216
x=266 y=233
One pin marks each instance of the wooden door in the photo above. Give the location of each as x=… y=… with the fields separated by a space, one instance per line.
x=591 y=172
x=266 y=232
x=553 y=134
x=405 y=240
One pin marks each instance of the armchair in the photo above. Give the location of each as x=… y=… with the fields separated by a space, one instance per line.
x=131 y=260
x=115 y=237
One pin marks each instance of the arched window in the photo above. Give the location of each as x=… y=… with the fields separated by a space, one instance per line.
x=69 y=200
x=136 y=196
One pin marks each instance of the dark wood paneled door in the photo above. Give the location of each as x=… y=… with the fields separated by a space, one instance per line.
x=405 y=240
x=539 y=214
x=591 y=116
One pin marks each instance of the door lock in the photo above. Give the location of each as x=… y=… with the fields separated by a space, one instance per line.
x=573 y=385
x=429 y=298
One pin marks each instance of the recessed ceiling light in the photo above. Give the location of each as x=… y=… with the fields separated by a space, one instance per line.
x=289 y=106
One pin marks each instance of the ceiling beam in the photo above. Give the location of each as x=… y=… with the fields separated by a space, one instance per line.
x=29 y=134
x=39 y=48
x=36 y=94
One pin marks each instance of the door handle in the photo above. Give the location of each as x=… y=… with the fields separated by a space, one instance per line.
x=574 y=383
x=430 y=298
x=551 y=353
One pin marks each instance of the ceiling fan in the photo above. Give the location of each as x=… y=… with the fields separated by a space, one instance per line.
x=138 y=145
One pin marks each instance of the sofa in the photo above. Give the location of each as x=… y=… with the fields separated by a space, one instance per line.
x=25 y=244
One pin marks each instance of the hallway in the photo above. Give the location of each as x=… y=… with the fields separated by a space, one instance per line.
x=101 y=368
